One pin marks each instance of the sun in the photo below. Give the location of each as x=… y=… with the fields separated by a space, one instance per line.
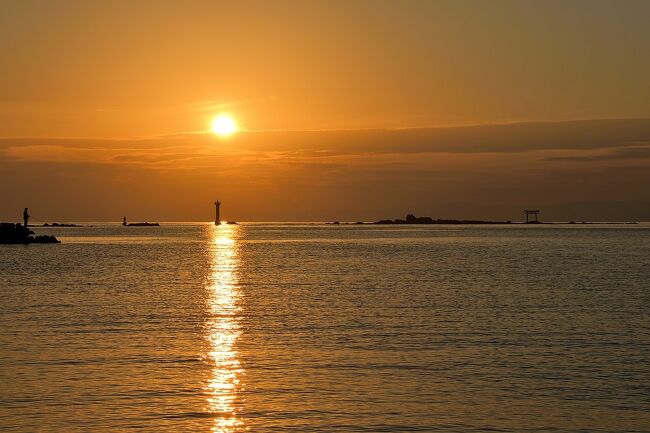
x=224 y=125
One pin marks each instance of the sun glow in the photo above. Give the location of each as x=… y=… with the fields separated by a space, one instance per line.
x=224 y=125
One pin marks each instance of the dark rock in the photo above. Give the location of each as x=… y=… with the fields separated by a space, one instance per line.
x=11 y=233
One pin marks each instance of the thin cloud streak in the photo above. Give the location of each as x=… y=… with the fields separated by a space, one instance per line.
x=520 y=137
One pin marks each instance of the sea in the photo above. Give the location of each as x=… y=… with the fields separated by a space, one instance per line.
x=266 y=327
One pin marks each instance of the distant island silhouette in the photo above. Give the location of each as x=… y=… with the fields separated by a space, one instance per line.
x=60 y=225
x=412 y=219
x=11 y=233
x=145 y=224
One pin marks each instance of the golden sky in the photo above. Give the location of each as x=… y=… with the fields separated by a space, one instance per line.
x=350 y=110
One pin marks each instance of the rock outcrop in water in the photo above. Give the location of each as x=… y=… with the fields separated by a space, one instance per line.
x=145 y=224
x=412 y=219
x=11 y=233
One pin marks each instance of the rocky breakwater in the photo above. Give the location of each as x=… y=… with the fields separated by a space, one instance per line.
x=11 y=233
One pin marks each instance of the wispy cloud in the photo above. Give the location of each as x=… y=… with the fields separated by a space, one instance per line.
x=596 y=140
x=621 y=154
x=215 y=105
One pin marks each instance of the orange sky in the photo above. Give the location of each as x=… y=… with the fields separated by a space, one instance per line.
x=104 y=105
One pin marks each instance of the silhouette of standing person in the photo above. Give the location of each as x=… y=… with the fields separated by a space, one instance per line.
x=25 y=217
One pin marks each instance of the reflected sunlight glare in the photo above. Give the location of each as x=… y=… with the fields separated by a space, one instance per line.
x=222 y=330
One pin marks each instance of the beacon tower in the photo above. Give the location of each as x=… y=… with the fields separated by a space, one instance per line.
x=217 y=219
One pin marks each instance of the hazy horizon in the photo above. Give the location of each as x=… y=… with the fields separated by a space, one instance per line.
x=571 y=170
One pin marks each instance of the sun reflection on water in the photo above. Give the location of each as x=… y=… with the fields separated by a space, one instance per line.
x=222 y=330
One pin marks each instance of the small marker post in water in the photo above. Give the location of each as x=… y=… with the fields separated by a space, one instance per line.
x=217 y=220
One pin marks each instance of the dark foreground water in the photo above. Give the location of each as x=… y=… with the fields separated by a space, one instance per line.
x=191 y=327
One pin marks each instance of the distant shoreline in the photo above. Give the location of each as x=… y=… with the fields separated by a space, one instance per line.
x=85 y=224
x=462 y=222
x=413 y=220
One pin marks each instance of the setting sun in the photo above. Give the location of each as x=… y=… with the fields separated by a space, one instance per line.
x=224 y=125
x=317 y=215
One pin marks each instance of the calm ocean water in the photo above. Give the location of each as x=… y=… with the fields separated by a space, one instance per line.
x=312 y=328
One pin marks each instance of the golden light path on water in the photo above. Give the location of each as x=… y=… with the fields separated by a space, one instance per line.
x=222 y=330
